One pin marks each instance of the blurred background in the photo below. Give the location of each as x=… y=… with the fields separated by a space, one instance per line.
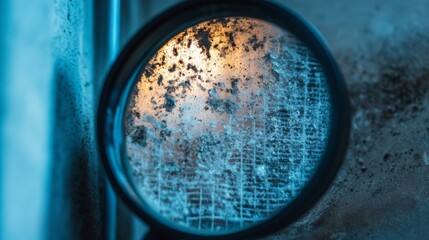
x=54 y=55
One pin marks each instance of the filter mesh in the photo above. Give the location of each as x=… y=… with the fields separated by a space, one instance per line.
x=227 y=124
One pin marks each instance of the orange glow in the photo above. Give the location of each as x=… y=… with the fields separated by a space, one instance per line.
x=190 y=61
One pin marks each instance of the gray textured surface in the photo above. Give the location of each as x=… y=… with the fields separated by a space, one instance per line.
x=381 y=192
x=382 y=189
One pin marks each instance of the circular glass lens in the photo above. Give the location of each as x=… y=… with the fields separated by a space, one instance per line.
x=226 y=124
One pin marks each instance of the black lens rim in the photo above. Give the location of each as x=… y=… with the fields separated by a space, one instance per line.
x=117 y=88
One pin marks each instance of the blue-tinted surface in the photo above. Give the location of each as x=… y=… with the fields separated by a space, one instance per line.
x=229 y=122
x=381 y=192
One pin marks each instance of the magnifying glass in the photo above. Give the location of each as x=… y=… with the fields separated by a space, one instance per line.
x=223 y=120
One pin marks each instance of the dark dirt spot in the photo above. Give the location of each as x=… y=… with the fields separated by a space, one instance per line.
x=170 y=88
x=186 y=84
x=164 y=133
x=255 y=43
x=203 y=38
x=221 y=105
x=172 y=68
x=231 y=41
x=160 y=78
x=169 y=102
x=191 y=66
x=136 y=114
x=149 y=70
x=386 y=157
x=139 y=135
x=234 y=86
x=389 y=97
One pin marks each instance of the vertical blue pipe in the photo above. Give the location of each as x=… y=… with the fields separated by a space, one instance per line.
x=113 y=49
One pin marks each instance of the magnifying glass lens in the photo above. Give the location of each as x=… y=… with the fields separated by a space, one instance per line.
x=226 y=124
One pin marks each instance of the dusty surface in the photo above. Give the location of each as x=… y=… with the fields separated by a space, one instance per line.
x=76 y=195
x=215 y=141
x=382 y=190
x=50 y=186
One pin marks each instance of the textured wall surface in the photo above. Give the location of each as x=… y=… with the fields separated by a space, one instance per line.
x=381 y=191
x=75 y=199
x=50 y=177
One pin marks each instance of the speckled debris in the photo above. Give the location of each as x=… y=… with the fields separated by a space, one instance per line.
x=382 y=190
x=228 y=123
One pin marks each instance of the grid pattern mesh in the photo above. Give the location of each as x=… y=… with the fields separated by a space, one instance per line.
x=228 y=123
